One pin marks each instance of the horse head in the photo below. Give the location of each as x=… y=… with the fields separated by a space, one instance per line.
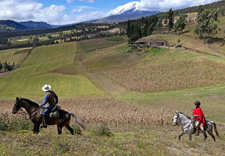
x=17 y=105
x=176 y=119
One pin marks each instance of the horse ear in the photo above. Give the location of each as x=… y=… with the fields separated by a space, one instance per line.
x=17 y=98
x=176 y=112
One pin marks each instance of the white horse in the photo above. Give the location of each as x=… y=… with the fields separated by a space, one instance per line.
x=187 y=126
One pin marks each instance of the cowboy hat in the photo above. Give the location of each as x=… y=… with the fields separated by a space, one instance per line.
x=46 y=88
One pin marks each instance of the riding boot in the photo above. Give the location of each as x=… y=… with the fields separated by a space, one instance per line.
x=193 y=124
x=43 y=124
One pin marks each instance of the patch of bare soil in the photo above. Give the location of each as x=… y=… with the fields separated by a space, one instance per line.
x=3 y=74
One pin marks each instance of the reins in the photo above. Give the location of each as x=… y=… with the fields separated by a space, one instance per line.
x=35 y=112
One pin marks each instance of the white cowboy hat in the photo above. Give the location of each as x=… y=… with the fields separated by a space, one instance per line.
x=46 y=88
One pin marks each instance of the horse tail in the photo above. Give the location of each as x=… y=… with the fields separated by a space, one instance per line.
x=78 y=121
x=215 y=129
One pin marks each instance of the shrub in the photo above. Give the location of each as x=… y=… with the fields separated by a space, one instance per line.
x=11 y=123
x=104 y=130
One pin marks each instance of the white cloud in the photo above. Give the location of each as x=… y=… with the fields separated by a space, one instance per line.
x=24 y=10
x=86 y=1
x=163 y=5
x=77 y=10
x=18 y=9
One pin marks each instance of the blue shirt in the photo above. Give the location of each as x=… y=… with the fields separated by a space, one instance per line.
x=46 y=99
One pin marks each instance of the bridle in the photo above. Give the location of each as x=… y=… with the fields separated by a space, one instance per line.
x=178 y=119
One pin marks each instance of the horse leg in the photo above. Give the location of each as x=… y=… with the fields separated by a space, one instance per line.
x=211 y=134
x=59 y=129
x=36 y=128
x=69 y=128
x=190 y=136
x=181 y=135
x=205 y=135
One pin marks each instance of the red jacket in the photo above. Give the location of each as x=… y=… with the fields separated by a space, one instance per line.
x=200 y=116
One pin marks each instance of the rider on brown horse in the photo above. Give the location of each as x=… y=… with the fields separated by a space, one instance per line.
x=52 y=99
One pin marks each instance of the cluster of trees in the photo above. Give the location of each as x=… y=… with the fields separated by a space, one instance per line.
x=142 y=27
x=206 y=25
x=6 y=66
x=146 y=26
x=4 y=41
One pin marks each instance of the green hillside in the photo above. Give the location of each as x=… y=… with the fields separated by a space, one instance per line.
x=36 y=71
x=14 y=55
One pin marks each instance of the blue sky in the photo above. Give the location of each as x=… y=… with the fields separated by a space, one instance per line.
x=60 y=12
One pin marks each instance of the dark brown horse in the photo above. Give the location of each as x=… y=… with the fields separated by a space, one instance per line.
x=33 y=109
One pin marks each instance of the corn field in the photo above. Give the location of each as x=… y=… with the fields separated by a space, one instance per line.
x=178 y=75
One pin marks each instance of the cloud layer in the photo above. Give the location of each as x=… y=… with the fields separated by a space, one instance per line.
x=24 y=10
x=164 y=5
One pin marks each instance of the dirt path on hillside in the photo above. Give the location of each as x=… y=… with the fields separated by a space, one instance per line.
x=218 y=53
x=99 y=78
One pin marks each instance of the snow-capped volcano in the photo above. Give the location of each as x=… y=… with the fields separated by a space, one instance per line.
x=125 y=12
x=132 y=6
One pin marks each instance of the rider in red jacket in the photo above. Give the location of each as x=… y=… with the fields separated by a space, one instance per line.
x=199 y=117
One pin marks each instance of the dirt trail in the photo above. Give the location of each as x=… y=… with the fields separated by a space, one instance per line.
x=4 y=74
x=99 y=78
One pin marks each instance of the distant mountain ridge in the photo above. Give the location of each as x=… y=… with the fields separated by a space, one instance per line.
x=12 y=26
x=39 y=25
x=9 y=26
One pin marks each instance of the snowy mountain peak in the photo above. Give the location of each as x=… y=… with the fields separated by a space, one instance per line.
x=124 y=8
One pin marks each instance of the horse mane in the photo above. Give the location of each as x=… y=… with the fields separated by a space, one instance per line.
x=30 y=101
x=184 y=115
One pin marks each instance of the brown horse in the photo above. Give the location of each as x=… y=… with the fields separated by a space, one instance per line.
x=33 y=109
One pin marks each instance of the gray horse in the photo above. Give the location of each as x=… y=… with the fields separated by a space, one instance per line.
x=187 y=126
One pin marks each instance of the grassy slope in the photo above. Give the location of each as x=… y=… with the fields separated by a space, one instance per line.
x=34 y=73
x=13 y=55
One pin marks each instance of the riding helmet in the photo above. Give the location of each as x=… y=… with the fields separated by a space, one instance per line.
x=197 y=103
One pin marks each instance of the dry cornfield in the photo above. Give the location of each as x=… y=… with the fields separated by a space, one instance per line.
x=107 y=110
x=179 y=75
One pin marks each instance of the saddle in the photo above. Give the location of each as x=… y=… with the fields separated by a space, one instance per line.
x=54 y=112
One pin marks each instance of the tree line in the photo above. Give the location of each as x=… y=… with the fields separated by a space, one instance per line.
x=6 y=66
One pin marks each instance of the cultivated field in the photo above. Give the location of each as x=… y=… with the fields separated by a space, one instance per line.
x=171 y=76
x=14 y=55
x=133 y=130
x=38 y=69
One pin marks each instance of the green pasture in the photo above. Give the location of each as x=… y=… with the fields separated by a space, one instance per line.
x=50 y=53
x=13 y=55
x=96 y=44
x=41 y=67
x=63 y=85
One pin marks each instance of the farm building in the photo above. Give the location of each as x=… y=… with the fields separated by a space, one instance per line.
x=152 y=43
